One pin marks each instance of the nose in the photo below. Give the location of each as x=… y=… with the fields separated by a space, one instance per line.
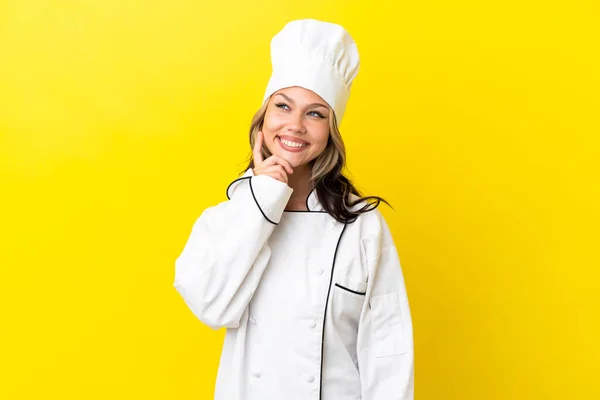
x=296 y=123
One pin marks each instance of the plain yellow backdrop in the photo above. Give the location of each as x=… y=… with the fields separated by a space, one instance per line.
x=120 y=121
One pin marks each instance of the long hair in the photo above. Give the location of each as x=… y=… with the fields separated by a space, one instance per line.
x=332 y=187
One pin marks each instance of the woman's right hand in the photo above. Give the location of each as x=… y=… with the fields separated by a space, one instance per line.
x=274 y=166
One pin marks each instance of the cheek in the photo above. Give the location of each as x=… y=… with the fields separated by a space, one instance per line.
x=322 y=137
x=272 y=123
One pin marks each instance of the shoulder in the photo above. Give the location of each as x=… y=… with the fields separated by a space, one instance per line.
x=370 y=223
x=371 y=229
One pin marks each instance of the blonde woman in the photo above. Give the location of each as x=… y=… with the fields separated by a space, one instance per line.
x=299 y=268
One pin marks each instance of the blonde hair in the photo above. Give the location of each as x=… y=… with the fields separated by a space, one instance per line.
x=332 y=187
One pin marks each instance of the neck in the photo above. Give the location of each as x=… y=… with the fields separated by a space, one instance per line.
x=300 y=182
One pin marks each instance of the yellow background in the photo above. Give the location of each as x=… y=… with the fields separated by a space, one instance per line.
x=120 y=121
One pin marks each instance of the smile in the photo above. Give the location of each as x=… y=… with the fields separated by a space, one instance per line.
x=290 y=145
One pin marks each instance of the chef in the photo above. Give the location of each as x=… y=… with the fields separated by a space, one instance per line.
x=299 y=268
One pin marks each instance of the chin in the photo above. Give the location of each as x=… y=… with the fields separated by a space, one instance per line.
x=293 y=162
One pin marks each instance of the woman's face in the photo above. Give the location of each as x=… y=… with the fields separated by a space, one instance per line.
x=296 y=125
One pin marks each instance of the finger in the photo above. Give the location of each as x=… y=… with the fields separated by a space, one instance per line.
x=273 y=168
x=270 y=161
x=256 y=152
x=282 y=176
x=277 y=160
x=285 y=163
x=276 y=170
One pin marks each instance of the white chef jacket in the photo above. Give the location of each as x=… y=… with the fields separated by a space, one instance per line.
x=314 y=308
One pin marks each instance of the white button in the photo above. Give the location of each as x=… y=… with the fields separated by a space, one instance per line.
x=319 y=271
x=256 y=374
x=252 y=321
x=310 y=379
x=312 y=324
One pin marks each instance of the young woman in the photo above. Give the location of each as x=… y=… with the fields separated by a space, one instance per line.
x=301 y=270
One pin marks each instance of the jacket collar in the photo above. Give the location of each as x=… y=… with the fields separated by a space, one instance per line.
x=313 y=203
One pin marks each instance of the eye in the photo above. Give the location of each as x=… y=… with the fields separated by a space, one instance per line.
x=284 y=106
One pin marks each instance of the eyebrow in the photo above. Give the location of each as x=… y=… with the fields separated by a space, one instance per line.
x=309 y=106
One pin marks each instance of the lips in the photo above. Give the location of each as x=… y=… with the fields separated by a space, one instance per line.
x=293 y=139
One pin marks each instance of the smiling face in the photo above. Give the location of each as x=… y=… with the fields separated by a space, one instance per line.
x=296 y=125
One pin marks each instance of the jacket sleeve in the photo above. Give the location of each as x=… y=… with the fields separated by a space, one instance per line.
x=227 y=251
x=385 y=336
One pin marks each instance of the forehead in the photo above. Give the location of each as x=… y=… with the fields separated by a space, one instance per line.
x=300 y=94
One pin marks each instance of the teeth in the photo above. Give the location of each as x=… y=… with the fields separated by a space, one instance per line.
x=292 y=144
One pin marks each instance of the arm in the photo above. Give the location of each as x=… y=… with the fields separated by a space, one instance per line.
x=227 y=251
x=385 y=337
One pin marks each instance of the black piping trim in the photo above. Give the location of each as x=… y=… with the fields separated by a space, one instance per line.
x=350 y=290
x=237 y=180
x=325 y=311
x=304 y=211
x=258 y=205
x=253 y=196
x=308 y=210
x=307 y=207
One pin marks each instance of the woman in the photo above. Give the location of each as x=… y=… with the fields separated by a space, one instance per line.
x=301 y=270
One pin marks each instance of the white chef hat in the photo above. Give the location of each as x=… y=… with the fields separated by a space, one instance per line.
x=316 y=55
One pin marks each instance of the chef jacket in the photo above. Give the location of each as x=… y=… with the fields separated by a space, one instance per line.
x=313 y=308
